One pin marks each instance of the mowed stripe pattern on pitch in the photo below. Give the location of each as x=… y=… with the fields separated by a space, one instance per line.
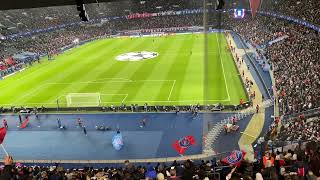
x=175 y=77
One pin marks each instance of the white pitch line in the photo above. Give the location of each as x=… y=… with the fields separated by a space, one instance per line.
x=115 y=94
x=156 y=80
x=124 y=98
x=224 y=75
x=174 y=82
x=101 y=82
x=110 y=78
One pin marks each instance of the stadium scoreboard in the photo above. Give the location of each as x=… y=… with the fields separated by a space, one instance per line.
x=239 y=13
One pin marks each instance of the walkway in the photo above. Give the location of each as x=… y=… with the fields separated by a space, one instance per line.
x=255 y=125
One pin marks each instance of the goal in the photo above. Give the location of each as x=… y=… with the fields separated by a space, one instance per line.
x=83 y=99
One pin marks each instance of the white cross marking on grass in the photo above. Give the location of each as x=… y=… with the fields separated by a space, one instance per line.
x=224 y=75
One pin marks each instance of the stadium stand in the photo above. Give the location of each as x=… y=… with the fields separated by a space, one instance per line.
x=300 y=129
x=298 y=89
x=289 y=164
x=305 y=10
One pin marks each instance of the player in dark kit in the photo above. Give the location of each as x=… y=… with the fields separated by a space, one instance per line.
x=84 y=130
x=20 y=119
x=59 y=122
x=143 y=123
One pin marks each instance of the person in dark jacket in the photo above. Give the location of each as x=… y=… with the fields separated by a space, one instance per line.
x=6 y=174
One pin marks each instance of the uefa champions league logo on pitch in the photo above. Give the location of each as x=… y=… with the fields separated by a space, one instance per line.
x=137 y=56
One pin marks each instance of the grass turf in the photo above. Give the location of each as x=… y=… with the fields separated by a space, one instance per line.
x=175 y=77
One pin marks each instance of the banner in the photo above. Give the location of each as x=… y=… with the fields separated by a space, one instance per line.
x=235 y=157
x=183 y=144
x=24 y=123
x=254 y=6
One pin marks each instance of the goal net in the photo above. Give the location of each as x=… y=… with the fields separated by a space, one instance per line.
x=83 y=99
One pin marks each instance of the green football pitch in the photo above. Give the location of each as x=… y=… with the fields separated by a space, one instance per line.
x=177 y=76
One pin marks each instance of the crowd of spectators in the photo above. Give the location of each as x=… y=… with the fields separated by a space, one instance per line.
x=294 y=59
x=22 y=20
x=300 y=129
x=307 y=10
x=300 y=163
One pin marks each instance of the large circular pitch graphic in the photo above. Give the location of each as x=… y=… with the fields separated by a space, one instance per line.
x=137 y=56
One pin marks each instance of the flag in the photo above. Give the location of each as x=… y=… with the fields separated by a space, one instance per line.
x=183 y=144
x=254 y=6
x=3 y=132
x=24 y=123
x=235 y=157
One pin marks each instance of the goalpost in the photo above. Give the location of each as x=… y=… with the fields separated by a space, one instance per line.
x=83 y=100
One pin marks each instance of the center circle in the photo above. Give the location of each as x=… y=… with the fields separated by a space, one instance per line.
x=137 y=56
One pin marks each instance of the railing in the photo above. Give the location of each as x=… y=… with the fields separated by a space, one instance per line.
x=218 y=128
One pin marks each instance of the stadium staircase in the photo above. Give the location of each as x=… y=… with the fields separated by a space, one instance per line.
x=214 y=132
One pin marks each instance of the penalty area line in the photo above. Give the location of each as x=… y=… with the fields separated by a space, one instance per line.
x=174 y=82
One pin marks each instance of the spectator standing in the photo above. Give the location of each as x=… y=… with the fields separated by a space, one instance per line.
x=5 y=123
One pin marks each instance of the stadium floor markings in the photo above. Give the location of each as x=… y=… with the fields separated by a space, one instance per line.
x=224 y=74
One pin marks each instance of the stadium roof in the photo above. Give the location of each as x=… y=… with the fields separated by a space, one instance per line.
x=24 y=4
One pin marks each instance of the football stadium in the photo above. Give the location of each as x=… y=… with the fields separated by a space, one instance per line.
x=159 y=89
